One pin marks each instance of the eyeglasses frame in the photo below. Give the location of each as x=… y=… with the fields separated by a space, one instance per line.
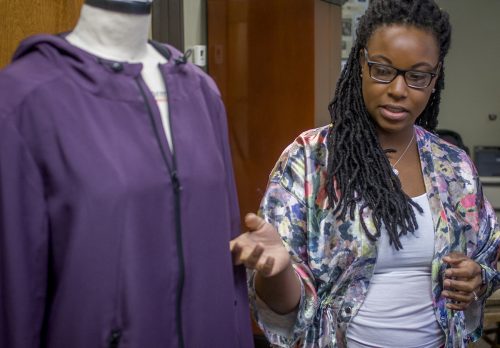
x=401 y=72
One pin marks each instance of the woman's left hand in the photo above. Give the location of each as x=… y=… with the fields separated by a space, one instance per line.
x=462 y=281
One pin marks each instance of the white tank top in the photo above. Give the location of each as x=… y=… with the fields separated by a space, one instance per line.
x=397 y=311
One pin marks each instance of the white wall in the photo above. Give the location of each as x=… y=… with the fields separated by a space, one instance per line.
x=195 y=23
x=472 y=85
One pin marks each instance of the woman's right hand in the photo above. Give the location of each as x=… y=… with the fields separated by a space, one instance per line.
x=260 y=248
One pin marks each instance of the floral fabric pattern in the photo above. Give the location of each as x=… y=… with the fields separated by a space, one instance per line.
x=335 y=260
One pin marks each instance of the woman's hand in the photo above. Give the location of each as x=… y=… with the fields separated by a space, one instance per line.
x=462 y=281
x=260 y=248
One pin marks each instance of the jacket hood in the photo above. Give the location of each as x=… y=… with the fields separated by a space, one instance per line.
x=53 y=47
x=86 y=69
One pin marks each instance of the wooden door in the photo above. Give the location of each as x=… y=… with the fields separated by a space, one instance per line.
x=276 y=63
x=260 y=55
x=22 y=18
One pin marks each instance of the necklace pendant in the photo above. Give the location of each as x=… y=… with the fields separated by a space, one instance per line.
x=396 y=172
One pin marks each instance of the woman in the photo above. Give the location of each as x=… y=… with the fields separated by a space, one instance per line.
x=385 y=238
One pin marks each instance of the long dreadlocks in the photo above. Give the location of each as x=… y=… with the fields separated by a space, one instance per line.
x=357 y=165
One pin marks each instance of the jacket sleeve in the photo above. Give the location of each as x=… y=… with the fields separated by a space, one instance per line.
x=483 y=217
x=23 y=242
x=479 y=218
x=284 y=206
x=228 y=165
x=242 y=315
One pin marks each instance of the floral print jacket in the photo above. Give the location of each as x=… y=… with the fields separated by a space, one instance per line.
x=335 y=260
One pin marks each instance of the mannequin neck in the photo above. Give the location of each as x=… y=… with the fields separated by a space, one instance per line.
x=112 y=35
x=124 y=6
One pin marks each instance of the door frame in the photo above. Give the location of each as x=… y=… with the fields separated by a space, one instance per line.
x=168 y=22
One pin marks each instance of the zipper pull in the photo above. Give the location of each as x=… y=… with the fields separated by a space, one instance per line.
x=176 y=182
x=114 y=338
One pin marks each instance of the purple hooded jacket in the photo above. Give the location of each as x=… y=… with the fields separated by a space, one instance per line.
x=107 y=239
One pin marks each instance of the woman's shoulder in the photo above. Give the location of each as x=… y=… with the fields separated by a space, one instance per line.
x=315 y=136
x=307 y=143
x=440 y=148
x=307 y=152
x=448 y=161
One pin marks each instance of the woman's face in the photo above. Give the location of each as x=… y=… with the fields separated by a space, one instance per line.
x=395 y=106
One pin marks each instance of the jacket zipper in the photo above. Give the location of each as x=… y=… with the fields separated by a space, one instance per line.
x=177 y=188
x=114 y=338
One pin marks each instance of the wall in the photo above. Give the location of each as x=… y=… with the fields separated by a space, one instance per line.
x=472 y=72
x=195 y=23
x=21 y=18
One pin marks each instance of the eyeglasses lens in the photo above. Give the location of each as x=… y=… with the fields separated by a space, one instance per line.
x=387 y=74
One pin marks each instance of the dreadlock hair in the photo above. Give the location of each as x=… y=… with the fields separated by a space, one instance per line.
x=358 y=168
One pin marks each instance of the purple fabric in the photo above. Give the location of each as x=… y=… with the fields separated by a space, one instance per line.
x=87 y=222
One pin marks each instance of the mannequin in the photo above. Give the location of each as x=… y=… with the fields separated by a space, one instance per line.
x=109 y=238
x=118 y=30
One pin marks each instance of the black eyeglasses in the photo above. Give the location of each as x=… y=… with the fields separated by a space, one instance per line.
x=386 y=74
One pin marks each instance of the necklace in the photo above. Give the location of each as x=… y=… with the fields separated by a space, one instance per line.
x=402 y=155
